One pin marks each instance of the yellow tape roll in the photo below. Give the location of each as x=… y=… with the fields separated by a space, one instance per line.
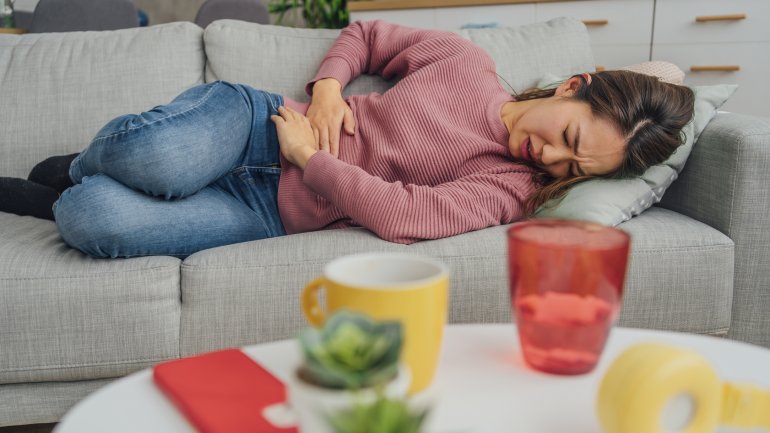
x=644 y=379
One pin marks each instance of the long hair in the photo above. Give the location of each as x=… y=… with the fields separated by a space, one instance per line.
x=648 y=113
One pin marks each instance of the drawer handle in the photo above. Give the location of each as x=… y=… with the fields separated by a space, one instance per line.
x=600 y=68
x=707 y=18
x=715 y=68
x=596 y=22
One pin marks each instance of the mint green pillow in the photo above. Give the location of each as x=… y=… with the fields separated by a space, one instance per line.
x=612 y=202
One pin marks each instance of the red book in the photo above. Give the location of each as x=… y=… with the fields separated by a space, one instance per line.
x=222 y=392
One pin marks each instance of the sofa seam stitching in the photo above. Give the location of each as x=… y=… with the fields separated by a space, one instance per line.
x=734 y=182
x=199 y=268
x=94 y=364
x=155 y=269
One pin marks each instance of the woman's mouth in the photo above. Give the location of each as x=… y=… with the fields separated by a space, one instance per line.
x=526 y=150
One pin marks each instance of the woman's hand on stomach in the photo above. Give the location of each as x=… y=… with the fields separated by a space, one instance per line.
x=329 y=113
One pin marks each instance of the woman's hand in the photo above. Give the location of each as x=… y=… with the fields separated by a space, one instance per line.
x=295 y=135
x=328 y=113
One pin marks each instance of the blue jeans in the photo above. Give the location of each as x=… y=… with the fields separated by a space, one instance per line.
x=197 y=173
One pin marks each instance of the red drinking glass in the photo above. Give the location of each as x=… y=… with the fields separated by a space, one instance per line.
x=566 y=282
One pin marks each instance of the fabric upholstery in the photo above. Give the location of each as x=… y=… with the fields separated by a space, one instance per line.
x=249 y=293
x=65 y=316
x=59 y=89
x=248 y=53
x=726 y=185
x=42 y=403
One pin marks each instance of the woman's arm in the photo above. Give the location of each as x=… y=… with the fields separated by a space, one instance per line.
x=382 y=48
x=373 y=47
x=405 y=214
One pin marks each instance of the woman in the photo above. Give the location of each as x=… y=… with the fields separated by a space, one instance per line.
x=443 y=152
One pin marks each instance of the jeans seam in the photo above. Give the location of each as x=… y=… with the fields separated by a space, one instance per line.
x=270 y=99
x=244 y=168
x=204 y=99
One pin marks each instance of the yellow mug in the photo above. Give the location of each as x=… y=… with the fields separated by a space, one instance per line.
x=410 y=289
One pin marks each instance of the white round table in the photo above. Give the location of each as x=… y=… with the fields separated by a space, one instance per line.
x=482 y=385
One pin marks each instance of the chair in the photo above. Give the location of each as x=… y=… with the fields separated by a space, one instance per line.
x=81 y=15
x=244 y=10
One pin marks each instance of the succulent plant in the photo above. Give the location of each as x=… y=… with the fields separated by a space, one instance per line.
x=381 y=416
x=351 y=351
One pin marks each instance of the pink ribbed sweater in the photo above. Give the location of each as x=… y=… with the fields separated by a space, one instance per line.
x=429 y=158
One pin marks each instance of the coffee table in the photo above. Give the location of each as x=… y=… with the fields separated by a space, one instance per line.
x=482 y=385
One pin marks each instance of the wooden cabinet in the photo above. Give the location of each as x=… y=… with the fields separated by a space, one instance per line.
x=453 y=18
x=718 y=41
x=620 y=30
x=713 y=41
x=511 y=15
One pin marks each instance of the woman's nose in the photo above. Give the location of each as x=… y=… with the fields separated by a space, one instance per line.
x=555 y=154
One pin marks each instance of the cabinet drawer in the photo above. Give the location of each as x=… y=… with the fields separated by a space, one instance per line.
x=422 y=18
x=617 y=56
x=628 y=21
x=752 y=95
x=503 y=15
x=675 y=21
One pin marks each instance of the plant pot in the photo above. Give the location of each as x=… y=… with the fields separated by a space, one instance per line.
x=313 y=405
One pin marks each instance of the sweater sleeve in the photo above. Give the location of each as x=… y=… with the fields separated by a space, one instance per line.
x=404 y=213
x=382 y=48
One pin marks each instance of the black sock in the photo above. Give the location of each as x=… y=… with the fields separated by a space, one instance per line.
x=25 y=198
x=53 y=172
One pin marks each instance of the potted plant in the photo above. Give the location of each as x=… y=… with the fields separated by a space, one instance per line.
x=384 y=415
x=351 y=360
x=328 y=14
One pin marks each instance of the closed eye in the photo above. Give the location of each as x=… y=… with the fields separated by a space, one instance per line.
x=572 y=168
x=575 y=169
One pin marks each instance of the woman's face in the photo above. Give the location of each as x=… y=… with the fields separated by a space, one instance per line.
x=563 y=137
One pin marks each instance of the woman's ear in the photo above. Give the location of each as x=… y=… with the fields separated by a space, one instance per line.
x=569 y=87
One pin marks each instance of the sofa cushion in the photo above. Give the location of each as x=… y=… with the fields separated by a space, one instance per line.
x=680 y=278
x=282 y=60
x=273 y=58
x=65 y=316
x=59 y=89
x=42 y=402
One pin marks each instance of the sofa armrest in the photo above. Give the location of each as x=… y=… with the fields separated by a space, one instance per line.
x=726 y=184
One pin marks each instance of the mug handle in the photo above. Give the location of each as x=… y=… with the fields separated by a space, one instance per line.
x=310 y=305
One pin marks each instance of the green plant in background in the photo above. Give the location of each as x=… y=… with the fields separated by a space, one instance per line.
x=6 y=14
x=351 y=351
x=381 y=416
x=328 y=14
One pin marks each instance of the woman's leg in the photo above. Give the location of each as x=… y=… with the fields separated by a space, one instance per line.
x=26 y=198
x=103 y=218
x=173 y=150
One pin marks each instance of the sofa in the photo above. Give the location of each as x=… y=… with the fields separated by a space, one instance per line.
x=70 y=324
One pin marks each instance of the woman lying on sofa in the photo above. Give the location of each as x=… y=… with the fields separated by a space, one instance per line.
x=445 y=151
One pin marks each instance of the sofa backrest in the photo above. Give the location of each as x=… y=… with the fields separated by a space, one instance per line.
x=58 y=89
x=282 y=60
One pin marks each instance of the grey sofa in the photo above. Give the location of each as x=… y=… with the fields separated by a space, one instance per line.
x=70 y=324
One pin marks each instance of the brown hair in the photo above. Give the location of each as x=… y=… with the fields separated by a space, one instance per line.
x=647 y=111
